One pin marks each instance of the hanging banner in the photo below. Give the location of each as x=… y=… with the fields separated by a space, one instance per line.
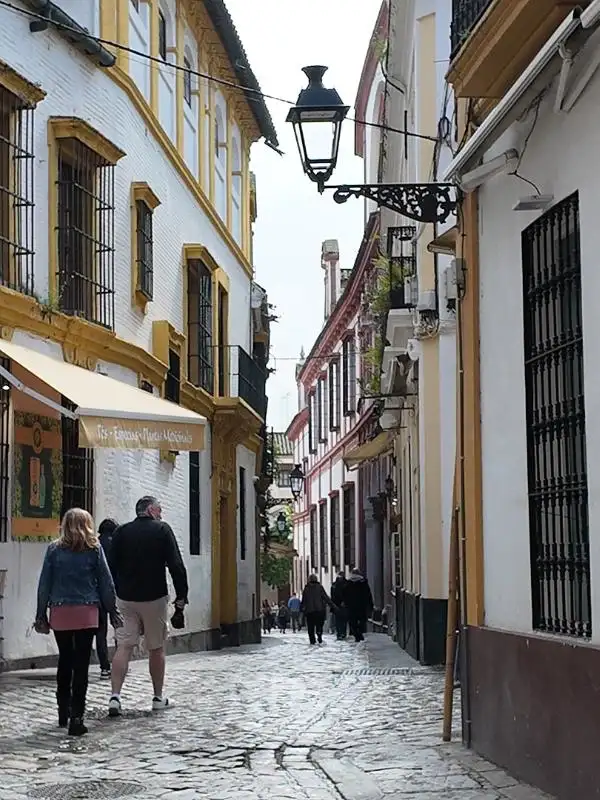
x=37 y=476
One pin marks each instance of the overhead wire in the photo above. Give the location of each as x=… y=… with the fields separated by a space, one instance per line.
x=197 y=73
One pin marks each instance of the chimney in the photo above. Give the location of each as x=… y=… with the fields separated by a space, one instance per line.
x=330 y=257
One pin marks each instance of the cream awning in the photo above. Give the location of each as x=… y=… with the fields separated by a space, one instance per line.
x=110 y=413
x=369 y=450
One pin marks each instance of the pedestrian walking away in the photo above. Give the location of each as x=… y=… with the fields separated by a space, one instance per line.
x=315 y=601
x=283 y=617
x=338 y=598
x=266 y=617
x=74 y=582
x=359 y=602
x=106 y=530
x=294 y=608
x=140 y=553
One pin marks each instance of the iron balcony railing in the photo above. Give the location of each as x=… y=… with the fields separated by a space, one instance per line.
x=465 y=13
x=248 y=380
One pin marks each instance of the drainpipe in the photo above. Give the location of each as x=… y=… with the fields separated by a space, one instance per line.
x=2 y=585
x=70 y=30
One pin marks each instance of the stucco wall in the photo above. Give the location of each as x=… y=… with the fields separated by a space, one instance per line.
x=246 y=567
x=558 y=168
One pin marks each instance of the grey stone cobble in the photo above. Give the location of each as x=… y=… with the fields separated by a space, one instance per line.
x=276 y=721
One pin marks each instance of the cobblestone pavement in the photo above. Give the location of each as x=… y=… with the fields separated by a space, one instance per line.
x=277 y=721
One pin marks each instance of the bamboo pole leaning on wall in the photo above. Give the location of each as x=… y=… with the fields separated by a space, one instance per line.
x=452 y=618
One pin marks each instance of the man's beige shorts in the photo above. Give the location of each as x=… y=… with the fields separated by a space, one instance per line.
x=144 y=619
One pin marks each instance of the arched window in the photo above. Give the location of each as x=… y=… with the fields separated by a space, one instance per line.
x=220 y=128
x=190 y=105
x=236 y=185
x=220 y=141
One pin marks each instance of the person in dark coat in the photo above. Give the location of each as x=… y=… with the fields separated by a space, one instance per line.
x=106 y=531
x=359 y=603
x=338 y=598
x=314 y=606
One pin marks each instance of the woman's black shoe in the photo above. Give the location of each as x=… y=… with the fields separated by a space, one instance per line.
x=63 y=717
x=76 y=727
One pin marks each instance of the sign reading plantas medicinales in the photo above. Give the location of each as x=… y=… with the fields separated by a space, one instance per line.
x=134 y=434
x=37 y=482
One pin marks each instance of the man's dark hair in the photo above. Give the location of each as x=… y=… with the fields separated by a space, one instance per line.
x=107 y=526
x=143 y=504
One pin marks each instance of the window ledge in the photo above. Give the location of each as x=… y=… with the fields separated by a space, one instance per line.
x=76 y=128
x=141 y=191
x=29 y=92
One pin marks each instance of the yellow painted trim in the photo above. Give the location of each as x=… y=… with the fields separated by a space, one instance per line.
x=164 y=338
x=14 y=82
x=198 y=252
x=154 y=127
x=19 y=311
x=76 y=128
x=123 y=33
x=153 y=64
x=179 y=102
x=223 y=278
x=139 y=191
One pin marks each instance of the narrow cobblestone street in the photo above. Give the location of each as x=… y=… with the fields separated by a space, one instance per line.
x=276 y=721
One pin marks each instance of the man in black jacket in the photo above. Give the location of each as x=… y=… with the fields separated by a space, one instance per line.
x=338 y=598
x=359 y=602
x=140 y=553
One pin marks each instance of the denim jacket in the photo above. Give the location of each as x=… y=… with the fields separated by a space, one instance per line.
x=72 y=579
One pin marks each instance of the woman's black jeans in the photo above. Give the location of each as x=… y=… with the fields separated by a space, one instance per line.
x=74 y=653
x=101 y=641
x=314 y=624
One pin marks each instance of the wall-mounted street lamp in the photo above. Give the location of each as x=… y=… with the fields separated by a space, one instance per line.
x=297 y=481
x=281 y=522
x=317 y=108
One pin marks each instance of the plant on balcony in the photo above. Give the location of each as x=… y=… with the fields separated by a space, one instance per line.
x=372 y=359
x=386 y=278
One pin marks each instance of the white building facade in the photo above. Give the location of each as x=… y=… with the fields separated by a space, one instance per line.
x=127 y=252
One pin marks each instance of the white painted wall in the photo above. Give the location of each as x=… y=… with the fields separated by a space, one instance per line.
x=247 y=586
x=558 y=168
x=85 y=12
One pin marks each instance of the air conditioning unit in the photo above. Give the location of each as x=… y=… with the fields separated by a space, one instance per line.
x=411 y=291
x=427 y=301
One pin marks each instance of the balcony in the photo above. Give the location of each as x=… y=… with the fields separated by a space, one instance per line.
x=494 y=40
x=247 y=380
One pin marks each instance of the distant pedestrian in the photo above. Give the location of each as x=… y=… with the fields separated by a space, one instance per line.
x=140 y=553
x=294 y=608
x=283 y=617
x=359 y=602
x=75 y=581
x=106 y=530
x=338 y=597
x=315 y=601
x=267 y=617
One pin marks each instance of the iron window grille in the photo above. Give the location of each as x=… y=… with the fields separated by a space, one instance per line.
x=322 y=409
x=335 y=532
x=349 y=376
x=86 y=210
x=283 y=479
x=173 y=380
x=222 y=342
x=312 y=423
x=465 y=15
x=194 y=502
x=252 y=382
x=556 y=426
x=5 y=462
x=314 y=544
x=323 y=534
x=242 y=511
x=334 y=395
x=402 y=255
x=77 y=467
x=162 y=36
x=349 y=524
x=200 y=326
x=16 y=193
x=187 y=81
x=145 y=248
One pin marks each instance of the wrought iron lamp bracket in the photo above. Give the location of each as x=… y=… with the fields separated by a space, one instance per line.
x=423 y=202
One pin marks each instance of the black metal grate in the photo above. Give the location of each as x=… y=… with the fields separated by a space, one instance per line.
x=555 y=408
x=312 y=423
x=86 y=253
x=349 y=524
x=200 y=326
x=314 y=543
x=335 y=532
x=77 y=467
x=5 y=465
x=322 y=409
x=173 y=380
x=16 y=193
x=194 y=503
x=402 y=256
x=349 y=375
x=334 y=395
x=145 y=268
x=465 y=13
x=251 y=382
x=222 y=342
x=323 y=534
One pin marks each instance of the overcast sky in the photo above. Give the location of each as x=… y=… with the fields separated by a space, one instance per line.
x=281 y=37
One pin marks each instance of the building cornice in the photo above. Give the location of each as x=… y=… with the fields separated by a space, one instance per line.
x=369 y=71
x=297 y=424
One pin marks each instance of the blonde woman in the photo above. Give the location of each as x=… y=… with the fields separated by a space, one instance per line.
x=74 y=583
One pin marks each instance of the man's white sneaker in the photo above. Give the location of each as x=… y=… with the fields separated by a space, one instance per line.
x=114 y=707
x=159 y=703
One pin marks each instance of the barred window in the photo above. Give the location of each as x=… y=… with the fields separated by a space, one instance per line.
x=322 y=409
x=194 y=503
x=314 y=547
x=145 y=269
x=16 y=193
x=349 y=525
x=5 y=463
x=200 y=326
x=323 y=535
x=335 y=532
x=313 y=424
x=187 y=81
x=334 y=395
x=77 y=467
x=85 y=233
x=349 y=375
x=173 y=381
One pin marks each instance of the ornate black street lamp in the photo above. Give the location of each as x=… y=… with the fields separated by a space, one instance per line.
x=423 y=202
x=297 y=481
x=281 y=522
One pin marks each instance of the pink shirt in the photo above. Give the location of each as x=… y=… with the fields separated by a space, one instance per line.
x=73 y=618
